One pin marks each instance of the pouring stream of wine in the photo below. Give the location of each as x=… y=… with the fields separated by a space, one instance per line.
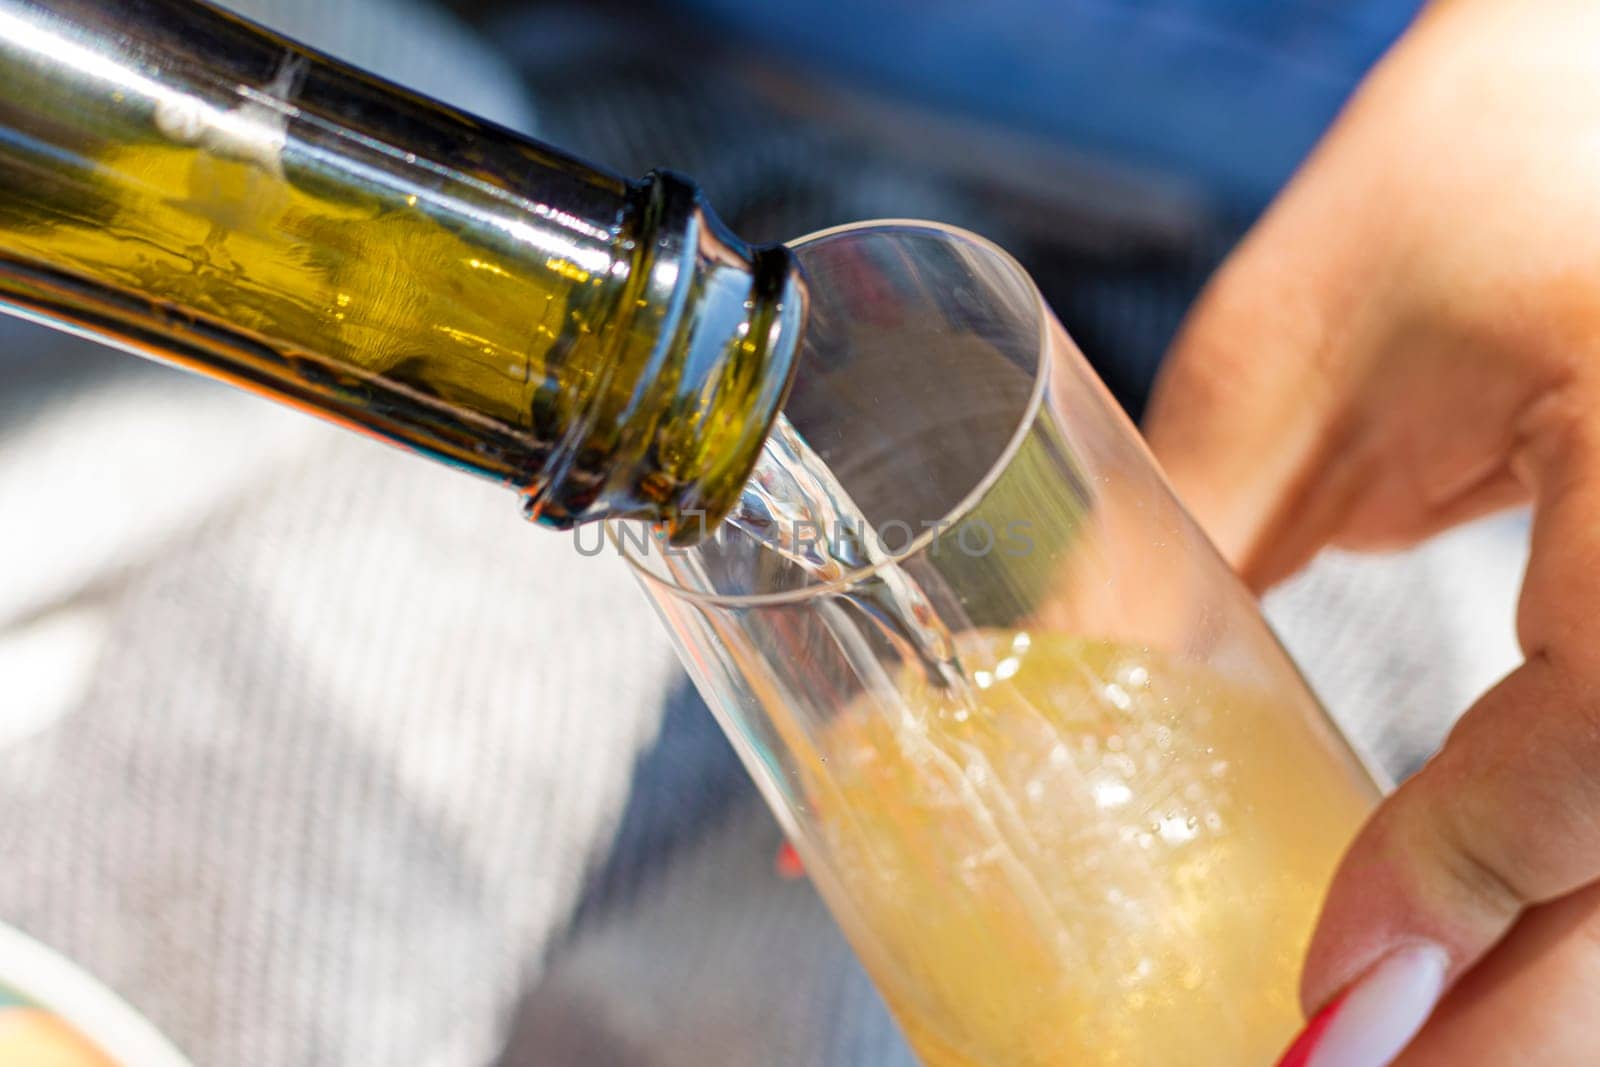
x=794 y=505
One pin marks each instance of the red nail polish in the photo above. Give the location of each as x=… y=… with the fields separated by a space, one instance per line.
x=788 y=863
x=1375 y=1019
x=1299 y=1054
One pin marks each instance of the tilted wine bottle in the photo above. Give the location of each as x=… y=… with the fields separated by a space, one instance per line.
x=192 y=187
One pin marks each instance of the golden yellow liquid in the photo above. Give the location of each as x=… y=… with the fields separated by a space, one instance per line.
x=1112 y=859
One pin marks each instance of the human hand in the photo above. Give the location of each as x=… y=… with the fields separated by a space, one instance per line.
x=1411 y=338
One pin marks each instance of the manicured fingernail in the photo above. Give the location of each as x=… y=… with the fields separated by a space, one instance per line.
x=1375 y=1019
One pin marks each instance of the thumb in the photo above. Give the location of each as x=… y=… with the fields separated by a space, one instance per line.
x=1505 y=816
x=1244 y=413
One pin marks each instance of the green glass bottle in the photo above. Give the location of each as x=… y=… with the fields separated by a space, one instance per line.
x=189 y=186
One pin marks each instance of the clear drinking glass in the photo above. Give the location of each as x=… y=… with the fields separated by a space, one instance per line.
x=1113 y=850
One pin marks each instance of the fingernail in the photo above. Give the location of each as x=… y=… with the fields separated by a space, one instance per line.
x=1374 y=1019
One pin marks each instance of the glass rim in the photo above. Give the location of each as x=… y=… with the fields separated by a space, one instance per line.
x=957 y=512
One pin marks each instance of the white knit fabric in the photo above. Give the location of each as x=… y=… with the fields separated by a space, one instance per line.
x=334 y=733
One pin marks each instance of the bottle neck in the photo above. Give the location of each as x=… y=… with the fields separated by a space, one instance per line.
x=186 y=185
x=703 y=353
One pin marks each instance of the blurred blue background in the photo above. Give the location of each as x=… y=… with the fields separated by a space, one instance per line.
x=1117 y=147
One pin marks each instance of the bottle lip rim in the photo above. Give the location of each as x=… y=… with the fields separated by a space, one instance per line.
x=778 y=285
x=960 y=510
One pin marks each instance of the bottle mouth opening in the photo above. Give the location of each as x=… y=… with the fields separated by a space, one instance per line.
x=999 y=308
